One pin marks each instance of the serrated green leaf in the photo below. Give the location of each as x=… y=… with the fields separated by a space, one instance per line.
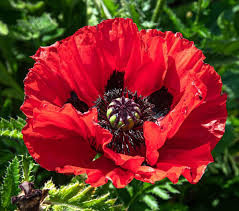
x=170 y=188
x=160 y=193
x=78 y=196
x=34 y=27
x=11 y=128
x=49 y=185
x=98 y=202
x=68 y=192
x=10 y=184
x=27 y=166
x=151 y=202
x=82 y=195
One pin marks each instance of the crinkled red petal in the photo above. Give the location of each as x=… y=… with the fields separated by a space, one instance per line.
x=104 y=137
x=177 y=161
x=56 y=137
x=197 y=90
x=147 y=65
x=156 y=134
x=99 y=172
x=44 y=84
x=116 y=41
x=104 y=170
x=59 y=139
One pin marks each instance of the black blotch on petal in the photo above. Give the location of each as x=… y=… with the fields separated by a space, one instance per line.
x=116 y=81
x=162 y=100
x=77 y=103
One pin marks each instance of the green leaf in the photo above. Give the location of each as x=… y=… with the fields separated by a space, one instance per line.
x=34 y=27
x=227 y=47
x=57 y=33
x=17 y=4
x=31 y=7
x=111 y=6
x=205 y=4
x=170 y=188
x=160 y=193
x=10 y=184
x=27 y=167
x=3 y=28
x=11 y=128
x=151 y=202
x=78 y=196
x=160 y=190
x=34 y=7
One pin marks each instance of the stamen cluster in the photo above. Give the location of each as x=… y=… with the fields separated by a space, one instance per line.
x=123 y=114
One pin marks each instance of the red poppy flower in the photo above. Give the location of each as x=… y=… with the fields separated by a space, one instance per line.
x=117 y=103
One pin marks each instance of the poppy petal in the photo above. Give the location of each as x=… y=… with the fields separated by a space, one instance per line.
x=59 y=136
x=104 y=137
x=176 y=161
x=116 y=40
x=156 y=134
x=147 y=67
x=105 y=170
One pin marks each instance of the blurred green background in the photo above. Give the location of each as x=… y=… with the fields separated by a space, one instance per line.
x=214 y=27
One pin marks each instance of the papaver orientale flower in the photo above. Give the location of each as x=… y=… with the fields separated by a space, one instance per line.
x=117 y=103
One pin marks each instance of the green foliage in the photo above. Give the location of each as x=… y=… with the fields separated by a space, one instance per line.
x=28 y=168
x=18 y=170
x=74 y=196
x=43 y=27
x=78 y=196
x=147 y=196
x=9 y=187
x=151 y=202
x=12 y=128
x=3 y=28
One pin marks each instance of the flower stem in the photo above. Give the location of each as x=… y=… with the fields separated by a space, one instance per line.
x=198 y=12
x=158 y=10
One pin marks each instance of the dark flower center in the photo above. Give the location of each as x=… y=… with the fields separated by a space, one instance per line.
x=123 y=113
